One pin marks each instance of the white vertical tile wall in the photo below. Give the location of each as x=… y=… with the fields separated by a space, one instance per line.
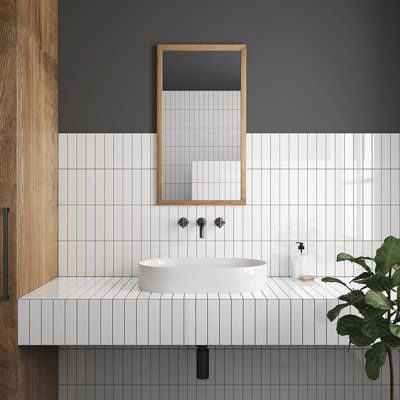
x=335 y=192
x=245 y=373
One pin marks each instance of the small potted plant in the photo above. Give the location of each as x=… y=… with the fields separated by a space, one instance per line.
x=377 y=299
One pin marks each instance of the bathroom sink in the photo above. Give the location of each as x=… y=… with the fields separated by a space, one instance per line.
x=202 y=275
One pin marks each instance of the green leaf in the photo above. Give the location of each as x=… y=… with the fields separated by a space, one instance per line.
x=347 y=324
x=334 y=312
x=359 y=339
x=377 y=300
x=374 y=327
x=353 y=297
x=362 y=276
x=388 y=255
x=376 y=282
x=372 y=312
x=375 y=358
x=395 y=281
x=356 y=260
x=330 y=279
x=395 y=329
x=391 y=340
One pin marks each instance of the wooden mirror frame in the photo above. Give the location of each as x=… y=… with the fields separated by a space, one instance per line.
x=201 y=47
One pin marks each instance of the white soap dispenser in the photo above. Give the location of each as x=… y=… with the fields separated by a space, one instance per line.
x=301 y=265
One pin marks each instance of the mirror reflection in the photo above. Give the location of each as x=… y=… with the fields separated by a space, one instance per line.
x=202 y=132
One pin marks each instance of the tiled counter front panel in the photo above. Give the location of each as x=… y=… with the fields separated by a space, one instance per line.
x=114 y=311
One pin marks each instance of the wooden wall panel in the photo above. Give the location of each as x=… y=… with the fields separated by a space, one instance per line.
x=8 y=310
x=28 y=182
x=37 y=143
x=37 y=177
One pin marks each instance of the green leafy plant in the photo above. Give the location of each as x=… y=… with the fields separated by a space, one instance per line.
x=375 y=293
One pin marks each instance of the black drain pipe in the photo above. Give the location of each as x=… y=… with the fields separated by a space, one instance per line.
x=202 y=362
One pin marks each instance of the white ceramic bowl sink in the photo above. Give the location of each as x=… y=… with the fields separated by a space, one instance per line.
x=202 y=275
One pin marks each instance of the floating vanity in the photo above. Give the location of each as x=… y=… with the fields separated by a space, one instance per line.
x=114 y=311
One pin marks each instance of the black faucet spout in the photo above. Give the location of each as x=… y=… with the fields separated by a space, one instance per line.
x=201 y=222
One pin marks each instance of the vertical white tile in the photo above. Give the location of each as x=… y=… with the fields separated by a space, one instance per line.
x=213 y=322
x=94 y=322
x=296 y=323
x=237 y=320
x=71 y=150
x=81 y=150
x=99 y=146
x=106 y=322
x=284 y=322
x=23 y=322
x=118 y=150
x=70 y=326
x=59 y=322
x=35 y=322
x=320 y=322
x=130 y=322
x=177 y=320
x=146 y=151
x=249 y=320
x=273 y=312
x=201 y=319
x=82 y=322
x=136 y=151
x=189 y=319
x=109 y=150
x=63 y=150
x=47 y=322
x=261 y=321
x=308 y=322
x=166 y=319
x=154 y=321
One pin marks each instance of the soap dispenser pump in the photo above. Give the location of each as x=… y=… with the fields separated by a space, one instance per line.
x=301 y=265
x=300 y=247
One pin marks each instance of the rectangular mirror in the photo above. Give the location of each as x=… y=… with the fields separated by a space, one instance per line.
x=201 y=124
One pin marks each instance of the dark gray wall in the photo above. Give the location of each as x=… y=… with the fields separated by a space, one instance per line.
x=313 y=65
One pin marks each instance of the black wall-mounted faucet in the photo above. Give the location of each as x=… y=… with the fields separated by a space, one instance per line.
x=201 y=222
x=220 y=222
x=183 y=222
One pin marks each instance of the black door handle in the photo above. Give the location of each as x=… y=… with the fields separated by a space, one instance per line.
x=5 y=254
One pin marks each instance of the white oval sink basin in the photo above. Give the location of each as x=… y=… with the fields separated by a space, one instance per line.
x=202 y=275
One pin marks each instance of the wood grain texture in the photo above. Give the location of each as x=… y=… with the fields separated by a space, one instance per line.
x=37 y=373
x=28 y=182
x=243 y=71
x=243 y=119
x=159 y=123
x=37 y=177
x=8 y=309
x=37 y=144
x=201 y=47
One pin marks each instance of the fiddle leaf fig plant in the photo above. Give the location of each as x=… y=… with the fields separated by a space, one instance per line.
x=375 y=294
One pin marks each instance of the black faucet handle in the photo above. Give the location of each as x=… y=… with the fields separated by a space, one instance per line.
x=201 y=222
x=183 y=222
x=220 y=222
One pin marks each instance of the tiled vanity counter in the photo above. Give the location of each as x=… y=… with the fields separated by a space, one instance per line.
x=114 y=311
